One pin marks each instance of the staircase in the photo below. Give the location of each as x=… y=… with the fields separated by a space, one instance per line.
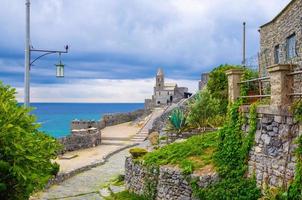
x=142 y=135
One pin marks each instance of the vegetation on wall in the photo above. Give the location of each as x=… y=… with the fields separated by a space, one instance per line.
x=231 y=160
x=25 y=153
x=189 y=155
x=295 y=189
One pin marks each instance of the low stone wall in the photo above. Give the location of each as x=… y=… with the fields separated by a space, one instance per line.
x=169 y=182
x=81 y=139
x=108 y=120
x=272 y=157
x=87 y=134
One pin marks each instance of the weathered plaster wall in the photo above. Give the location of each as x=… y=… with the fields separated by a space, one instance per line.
x=272 y=158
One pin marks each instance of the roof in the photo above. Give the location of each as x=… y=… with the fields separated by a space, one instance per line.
x=170 y=86
x=283 y=10
x=160 y=72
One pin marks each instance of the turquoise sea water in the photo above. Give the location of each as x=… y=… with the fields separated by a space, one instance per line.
x=55 y=118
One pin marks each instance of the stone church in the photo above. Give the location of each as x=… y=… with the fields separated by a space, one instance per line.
x=165 y=93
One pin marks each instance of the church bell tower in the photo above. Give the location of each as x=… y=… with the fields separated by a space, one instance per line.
x=160 y=79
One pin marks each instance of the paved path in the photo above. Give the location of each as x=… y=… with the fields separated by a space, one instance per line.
x=113 y=138
x=87 y=182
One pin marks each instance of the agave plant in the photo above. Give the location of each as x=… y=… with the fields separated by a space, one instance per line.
x=178 y=121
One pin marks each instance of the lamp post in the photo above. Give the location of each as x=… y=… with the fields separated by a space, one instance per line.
x=28 y=63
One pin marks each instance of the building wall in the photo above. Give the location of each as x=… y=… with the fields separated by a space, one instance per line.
x=289 y=21
x=203 y=81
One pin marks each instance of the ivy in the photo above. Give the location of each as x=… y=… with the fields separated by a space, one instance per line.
x=295 y=189
x=231 y=160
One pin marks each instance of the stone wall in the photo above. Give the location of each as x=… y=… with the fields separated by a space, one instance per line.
x=108 y=120
x=276 y=32
x=169 y=182
x=81 y=139
x=272 y=158
x=87 y=134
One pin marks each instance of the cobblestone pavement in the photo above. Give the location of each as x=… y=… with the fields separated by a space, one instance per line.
x=87 y=182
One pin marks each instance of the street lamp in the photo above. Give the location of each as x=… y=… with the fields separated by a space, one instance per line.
x=60 y=69
x=28 y=63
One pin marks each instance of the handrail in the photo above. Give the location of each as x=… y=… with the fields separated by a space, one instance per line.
x=294 y=73
x=295 y=94
x=256 y=96
x=255 y=79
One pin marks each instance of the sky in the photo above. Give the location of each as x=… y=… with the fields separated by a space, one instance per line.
x=116 y=46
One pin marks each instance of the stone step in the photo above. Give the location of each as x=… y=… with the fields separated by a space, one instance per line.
x=115 y=138
x=138 y=140
x=112 y=144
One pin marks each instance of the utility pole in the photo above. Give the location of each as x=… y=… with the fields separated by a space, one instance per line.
x=243 y=50
x=27 y=55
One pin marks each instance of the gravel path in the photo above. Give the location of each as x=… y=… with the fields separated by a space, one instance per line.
x=87 y=182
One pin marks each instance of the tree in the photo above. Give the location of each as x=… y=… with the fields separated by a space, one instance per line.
x=25 y=152
x=203 y=109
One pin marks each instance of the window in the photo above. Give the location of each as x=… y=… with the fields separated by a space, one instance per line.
x=291 y=46
x=277 y=54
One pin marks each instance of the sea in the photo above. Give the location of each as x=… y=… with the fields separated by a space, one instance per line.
x=55 y=118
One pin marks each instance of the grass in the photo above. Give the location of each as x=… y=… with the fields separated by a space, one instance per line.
x=192 y=154
x=125 y=195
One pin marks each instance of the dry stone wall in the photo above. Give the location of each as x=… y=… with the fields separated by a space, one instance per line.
x=272 y=158
x=81 y=139
x=168 y=182
x=87 y=134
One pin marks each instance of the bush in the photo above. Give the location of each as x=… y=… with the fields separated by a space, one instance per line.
x=204 y=110
x=25 y=153
x=137 y=152
x=218 y=85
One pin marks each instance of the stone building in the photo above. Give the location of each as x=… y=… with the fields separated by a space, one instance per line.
x=165 y=93
x=203 y=81
x=281 y=38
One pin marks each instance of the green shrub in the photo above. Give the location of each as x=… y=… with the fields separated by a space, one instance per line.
x=137 y=152
x=218 y=85
x=204 y=110
x=250 y=86
x=25 y=153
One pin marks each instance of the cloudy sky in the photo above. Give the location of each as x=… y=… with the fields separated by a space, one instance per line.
x=117 y=45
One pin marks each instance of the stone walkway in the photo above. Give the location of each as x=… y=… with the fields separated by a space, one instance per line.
x=77 y=187
x=113 y=138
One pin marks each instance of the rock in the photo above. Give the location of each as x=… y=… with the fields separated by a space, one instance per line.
x=278 y=119
x=266 y=139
